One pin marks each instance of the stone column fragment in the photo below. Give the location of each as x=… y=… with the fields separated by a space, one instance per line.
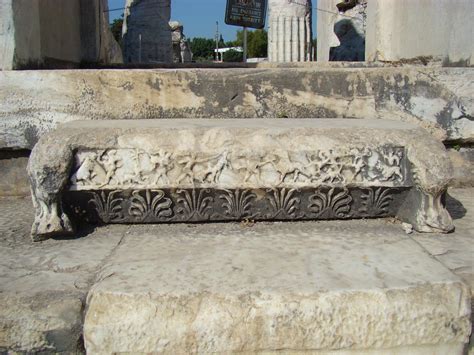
x=55 y=34
x=290 y=33
x=146 y=31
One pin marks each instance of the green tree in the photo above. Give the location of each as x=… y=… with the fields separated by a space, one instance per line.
x=116 y=28
x=221 y=42
x=203 y=48
x=232 y=56
x=257 y=43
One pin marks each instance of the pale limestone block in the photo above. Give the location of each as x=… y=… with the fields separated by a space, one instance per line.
x=406 y=30
x=228 y=289
x=438 y=99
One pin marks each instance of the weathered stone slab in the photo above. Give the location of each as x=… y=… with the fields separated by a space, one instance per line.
x=34 y=103
x=213 y=170
x=13 y=175
x=350 y=286
x=43 y=286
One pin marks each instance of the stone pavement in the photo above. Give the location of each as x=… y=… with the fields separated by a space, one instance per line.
x=236 y=287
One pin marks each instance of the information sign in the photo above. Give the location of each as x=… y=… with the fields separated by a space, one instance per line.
x=246 y=13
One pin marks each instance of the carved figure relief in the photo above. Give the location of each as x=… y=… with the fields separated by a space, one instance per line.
x=214 y=171
x=132 y=168
x=254 y=165
x=385 y=165
x=163 y=164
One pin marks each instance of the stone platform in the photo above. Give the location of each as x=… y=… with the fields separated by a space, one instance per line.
x=163 y=171
x=328 y=287
x=33 y=103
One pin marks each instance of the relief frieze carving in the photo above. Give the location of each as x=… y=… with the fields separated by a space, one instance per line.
x=201 y=205
x=133 y=168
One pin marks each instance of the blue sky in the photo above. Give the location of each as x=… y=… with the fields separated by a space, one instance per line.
x=198 y=17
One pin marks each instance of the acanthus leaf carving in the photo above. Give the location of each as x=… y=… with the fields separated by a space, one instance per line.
x=194 y=204
x=144 y=207
x=238 y=203
x=376 y=202
x=108 y=207
x=284 y=203
x=328 y=203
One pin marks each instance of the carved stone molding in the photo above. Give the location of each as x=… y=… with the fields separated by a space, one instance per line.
x=221 y=170
x=201 y=205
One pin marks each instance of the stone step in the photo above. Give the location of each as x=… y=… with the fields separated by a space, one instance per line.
x=352 y=287
x=440 y=99
x=153 y=171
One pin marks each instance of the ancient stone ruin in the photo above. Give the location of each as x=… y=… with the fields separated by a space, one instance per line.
x=212 y=170
x=146 y=32
x=181 y=50
x=237 y=208
x=351 y=32
x=379 y=30
x=290 y=31
x=55 y=34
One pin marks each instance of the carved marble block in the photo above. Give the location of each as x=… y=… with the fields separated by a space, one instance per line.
x=150 y=171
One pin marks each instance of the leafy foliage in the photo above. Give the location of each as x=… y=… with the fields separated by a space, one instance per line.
x=203 y=48
x=116 y=28
x=257 y=43
x=233 y=56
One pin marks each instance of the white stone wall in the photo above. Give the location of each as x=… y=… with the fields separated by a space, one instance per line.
x=20 y=41
x=97 y=41
x=407 y=29
x=7 y=35
x=39 y=31
x=290 y=33
x=55 y=33
x=327 y=17
x=149 y=20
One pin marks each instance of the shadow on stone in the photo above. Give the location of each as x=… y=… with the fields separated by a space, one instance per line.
x=455 y=207
x=82 y=231
x=352 y=47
